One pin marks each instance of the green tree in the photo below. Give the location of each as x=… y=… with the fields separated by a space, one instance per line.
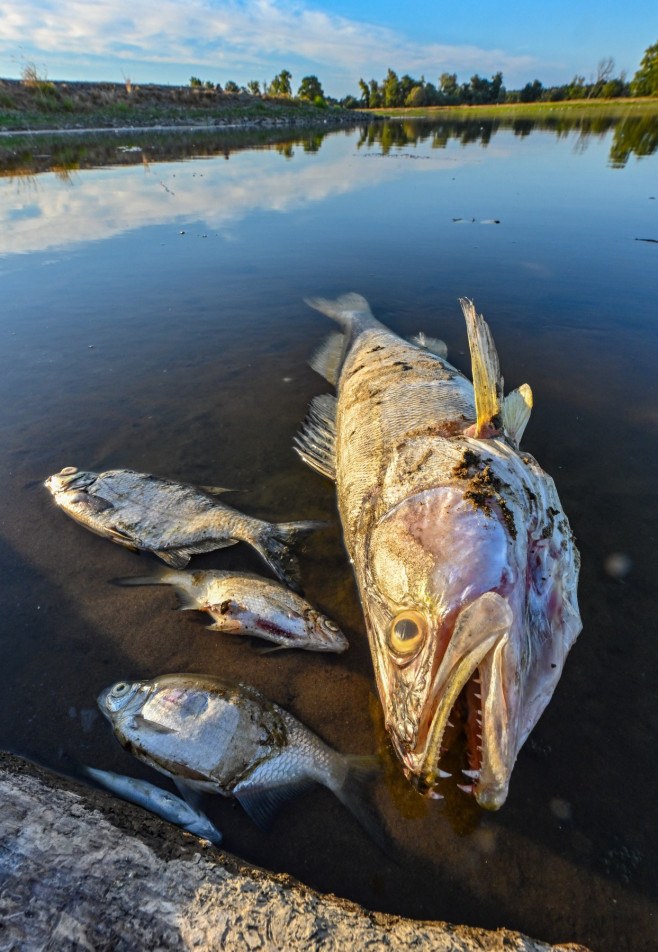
x=375 y=97
x=392 y=90
x=231 y=87
x=416 y=97
x=195 y=82
x=280 y=85
x=531 y=92
x=576 y=88
x=310 y=88
x=365 y=92
x=253 y=86
x=645 y=81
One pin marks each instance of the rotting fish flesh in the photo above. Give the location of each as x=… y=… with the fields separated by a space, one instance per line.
x=219 y=736
x=164 y=804
x=246 y=604
x=171 y=519
x=464 y=559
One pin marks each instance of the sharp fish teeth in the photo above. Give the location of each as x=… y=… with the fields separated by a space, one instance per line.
x=433 y=795
x=443 y=775
x=467 y=788
x=471 y=774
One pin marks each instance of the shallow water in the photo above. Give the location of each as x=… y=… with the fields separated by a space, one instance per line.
x=153 y=318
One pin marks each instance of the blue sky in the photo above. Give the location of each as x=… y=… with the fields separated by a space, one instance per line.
x=167 y=41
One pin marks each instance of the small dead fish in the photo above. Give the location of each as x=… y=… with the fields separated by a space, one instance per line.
x=247 y=604
x=218 y=736
x=161 y=802
x=170 y=519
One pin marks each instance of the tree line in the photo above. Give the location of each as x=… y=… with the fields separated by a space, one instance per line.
x=395 y=91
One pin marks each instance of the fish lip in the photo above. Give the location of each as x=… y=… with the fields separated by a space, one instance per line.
x=456 y=669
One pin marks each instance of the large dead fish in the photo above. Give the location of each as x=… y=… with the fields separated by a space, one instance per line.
x=246 y=604
x=465 y=562
x=224 y=737
x=170 y=519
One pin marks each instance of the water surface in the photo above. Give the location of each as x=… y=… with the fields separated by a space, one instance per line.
x=153 y=318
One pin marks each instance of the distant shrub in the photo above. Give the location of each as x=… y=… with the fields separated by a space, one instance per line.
x=195 y=82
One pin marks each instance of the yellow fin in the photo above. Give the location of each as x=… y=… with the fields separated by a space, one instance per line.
x=516 y=412
x=487 y=381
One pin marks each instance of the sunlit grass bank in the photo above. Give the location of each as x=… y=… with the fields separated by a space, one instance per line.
x=615 y=108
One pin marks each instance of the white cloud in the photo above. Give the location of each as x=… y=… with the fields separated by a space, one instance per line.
x=239 y=35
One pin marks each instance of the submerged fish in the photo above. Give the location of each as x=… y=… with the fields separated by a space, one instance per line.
x=247 y=604
x=218 y=736
x=170 y=519
x=465 y=562
x=147 y=795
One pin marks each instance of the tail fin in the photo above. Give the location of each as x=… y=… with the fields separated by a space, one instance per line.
x=353 y=793
x=130 y=580
x=351 y=311
x=487 y=381
x=273 y=542
x=181 y=581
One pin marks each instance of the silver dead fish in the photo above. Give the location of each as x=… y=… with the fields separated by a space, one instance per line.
x=152 y=798
x=218 y=736
x=170 y=519
x=465 y=562
x=246 y=604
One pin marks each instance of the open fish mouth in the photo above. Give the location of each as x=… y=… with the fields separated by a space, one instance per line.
x=467 y=697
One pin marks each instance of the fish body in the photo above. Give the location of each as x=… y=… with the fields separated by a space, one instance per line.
x=464 y=559
x=170 y=519
x=164 y=804
x=225 y=737
x=246 y=604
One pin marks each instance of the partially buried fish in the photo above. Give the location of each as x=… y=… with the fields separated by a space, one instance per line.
x=465 y=562
x=210 y=734
x=247 y=604
x=147 y=795
x=170 y=519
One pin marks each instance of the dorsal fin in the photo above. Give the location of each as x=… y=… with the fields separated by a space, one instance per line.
x=516 y=412
x=487 y=381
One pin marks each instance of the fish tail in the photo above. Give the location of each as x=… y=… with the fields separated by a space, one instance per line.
x=354 y=794
x=159 y=577
x=351 y=311
x=274 y=541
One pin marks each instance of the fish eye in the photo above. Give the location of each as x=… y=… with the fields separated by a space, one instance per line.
x=120 y=689
x=406 y=634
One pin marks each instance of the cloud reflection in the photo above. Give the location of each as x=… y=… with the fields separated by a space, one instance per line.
x=98 y=204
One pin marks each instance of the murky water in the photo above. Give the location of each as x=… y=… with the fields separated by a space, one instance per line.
x=153 y=318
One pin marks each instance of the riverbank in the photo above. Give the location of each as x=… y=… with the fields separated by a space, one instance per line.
x=44 y=105
x=576 y=108
x=83 y=870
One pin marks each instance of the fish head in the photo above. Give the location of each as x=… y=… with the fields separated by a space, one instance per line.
x=461 y=647
x=69 y=481
x=122 y=700
x=324 y=634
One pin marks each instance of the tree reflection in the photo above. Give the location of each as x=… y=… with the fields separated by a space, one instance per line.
x=635 y=135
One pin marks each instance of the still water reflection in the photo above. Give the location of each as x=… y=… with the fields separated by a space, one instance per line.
x=152 y=318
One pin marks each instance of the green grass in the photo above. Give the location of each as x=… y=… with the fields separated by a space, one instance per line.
x=576 y=107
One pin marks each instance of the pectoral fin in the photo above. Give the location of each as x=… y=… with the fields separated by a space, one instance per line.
x=139 y=721
x=263 y=803
x=316 y=441
x=516 y=412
